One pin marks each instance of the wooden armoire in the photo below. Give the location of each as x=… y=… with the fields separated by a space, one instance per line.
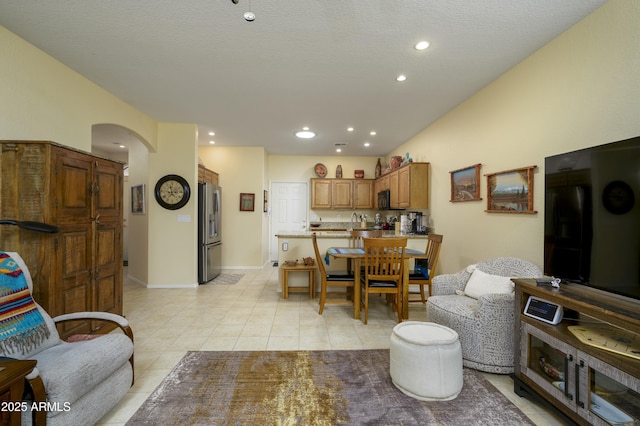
x=80 y=267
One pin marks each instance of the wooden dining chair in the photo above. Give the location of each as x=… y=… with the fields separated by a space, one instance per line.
x=423 y=278
x=357 y=235
x=333 y=279
x=383 y=267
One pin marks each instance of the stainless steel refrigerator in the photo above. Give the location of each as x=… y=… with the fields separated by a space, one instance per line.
x=209 y=232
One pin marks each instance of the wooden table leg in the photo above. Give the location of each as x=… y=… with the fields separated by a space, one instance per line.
x=285 y=283
x=405 y=289
x=356 y=289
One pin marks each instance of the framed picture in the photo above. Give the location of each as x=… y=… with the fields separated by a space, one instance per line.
x=247 y=202
x=265 y=206
x=511 y=191
x=465 y=184
x=137 y=199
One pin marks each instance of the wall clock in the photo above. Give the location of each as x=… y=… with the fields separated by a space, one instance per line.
x=172 y=192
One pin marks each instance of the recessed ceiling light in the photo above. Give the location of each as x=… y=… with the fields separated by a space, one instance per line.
x=422 y=45
x=212 y=133
x=338 y=149
x=305 y=133
x=349 y=129
x=122 y=146
x=212 y=142
x=367 y=144
x=372 y=133
x=401 y=77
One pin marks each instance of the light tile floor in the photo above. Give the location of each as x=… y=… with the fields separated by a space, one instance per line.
x=251 y=315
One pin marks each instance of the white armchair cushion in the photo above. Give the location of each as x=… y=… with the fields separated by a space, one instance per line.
x=481 y=283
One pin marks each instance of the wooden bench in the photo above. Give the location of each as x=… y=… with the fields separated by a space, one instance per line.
x=310 y=269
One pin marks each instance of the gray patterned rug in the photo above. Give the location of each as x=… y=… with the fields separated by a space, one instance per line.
x=226 y=279
x=310 y=388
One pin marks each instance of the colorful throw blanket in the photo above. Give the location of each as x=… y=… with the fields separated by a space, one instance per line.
x=22 y=327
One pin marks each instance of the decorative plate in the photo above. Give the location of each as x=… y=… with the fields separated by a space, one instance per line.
x=320 y=170
x=617 y=197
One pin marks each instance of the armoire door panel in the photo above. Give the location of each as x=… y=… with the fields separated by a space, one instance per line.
x=108 y=190
x=74 y=181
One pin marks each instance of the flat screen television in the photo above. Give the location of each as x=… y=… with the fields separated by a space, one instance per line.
x=592 y=217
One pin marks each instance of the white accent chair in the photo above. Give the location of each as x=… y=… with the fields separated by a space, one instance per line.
x=484 y=324
x=88 y=377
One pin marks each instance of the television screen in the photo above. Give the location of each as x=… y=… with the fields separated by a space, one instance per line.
x=592 y=217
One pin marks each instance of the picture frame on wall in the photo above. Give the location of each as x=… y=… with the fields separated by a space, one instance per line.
x=465 y=184
x=511 y=191
x=247 y=202
x=265 y=201
x=137 y=199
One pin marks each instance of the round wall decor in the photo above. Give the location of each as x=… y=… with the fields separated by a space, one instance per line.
x=172 y=192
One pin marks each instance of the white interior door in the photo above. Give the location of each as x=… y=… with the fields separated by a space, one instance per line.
x=289 y=201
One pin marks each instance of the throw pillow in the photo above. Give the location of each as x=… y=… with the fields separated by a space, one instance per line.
x=481 y=283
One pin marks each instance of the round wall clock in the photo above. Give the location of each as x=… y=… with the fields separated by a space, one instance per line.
x=320 y=170
x=172 y=192
x=617 y=197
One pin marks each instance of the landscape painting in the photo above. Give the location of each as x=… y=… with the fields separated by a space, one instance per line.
x=465 y=184
x=511 y=191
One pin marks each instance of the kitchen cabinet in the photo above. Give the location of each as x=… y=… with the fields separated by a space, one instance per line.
x=363 y=194
x=409 y=186
x=321 y=194
x=207 y=176
x=586 y=383
x=80 y=267
x=343 y=194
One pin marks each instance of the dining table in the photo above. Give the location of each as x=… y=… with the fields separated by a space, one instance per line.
x=356 y=255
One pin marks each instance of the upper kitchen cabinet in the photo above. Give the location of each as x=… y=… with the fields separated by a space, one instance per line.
x=412 y=186
x=207 y=176
x=342 y=194
x=321 y=194
x=80 y=267
x=408 y=186
x=363 y=193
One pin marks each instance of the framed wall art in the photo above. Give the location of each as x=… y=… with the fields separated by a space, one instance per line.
x=265 y=201
x=511 y=191
x=247 y=202
x=465 y=184
x=137 y=199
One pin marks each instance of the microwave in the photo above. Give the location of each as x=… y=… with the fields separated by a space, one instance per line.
x=384 y=200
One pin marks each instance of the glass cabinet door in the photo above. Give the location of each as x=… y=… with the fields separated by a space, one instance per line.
x=550 y=363
x=607 y=395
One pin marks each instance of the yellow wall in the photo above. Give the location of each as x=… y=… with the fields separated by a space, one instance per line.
x=241 y=170
x=580 y=90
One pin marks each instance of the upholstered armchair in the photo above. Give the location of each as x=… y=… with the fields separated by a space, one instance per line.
x=81 y=381
x=481 y=310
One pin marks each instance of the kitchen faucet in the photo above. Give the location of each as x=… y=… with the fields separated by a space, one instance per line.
x=354 y=219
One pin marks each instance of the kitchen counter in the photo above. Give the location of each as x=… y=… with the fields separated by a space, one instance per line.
x=321 y=233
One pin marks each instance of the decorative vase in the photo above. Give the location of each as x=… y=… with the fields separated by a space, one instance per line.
x=378 y=169
x=339 y=172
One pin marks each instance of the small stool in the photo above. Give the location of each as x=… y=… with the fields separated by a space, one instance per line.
x=311 y=269
x=426 y=361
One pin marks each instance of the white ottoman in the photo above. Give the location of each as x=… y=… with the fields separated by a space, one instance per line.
x=426 y=361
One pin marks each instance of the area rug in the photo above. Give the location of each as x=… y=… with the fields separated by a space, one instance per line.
x=226 y=279
x=310 y=388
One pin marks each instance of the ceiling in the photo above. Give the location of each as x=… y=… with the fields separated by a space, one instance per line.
x=323 y=64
